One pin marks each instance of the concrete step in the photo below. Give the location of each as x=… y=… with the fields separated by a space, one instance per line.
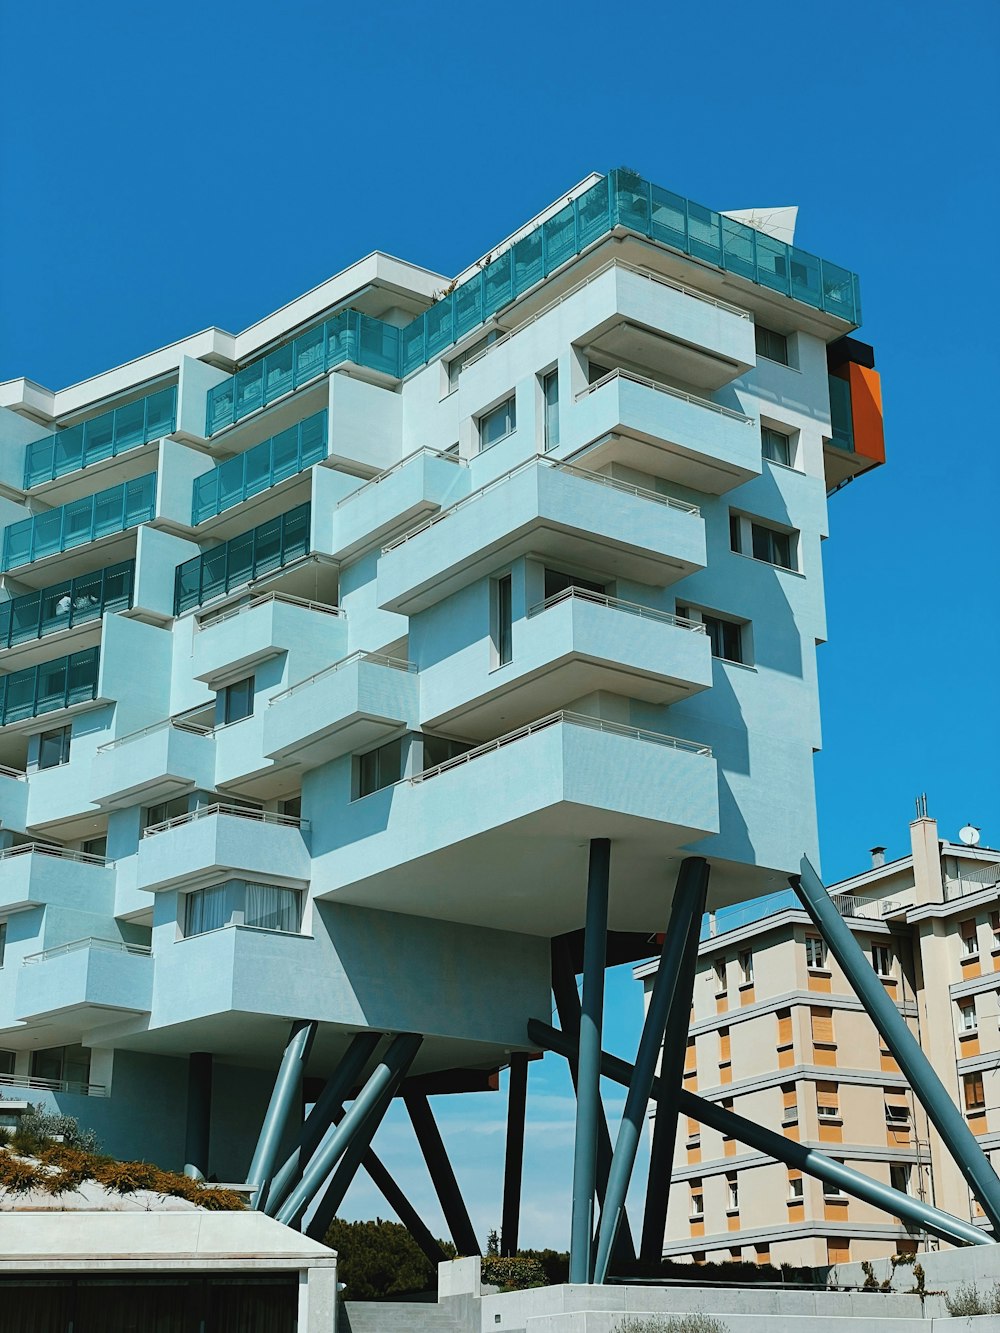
x=395 y=1317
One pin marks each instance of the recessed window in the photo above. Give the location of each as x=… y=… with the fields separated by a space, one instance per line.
x=381 y=767
x=899 y=1176
x=770 y=344
x=6 y=1059
x=720 y=975
x=776 y=446
x=970 y=941
x=972 y=1088
x=789 y=1104
x=441 y=750
x=236 y=700
x=725 y=636
x=746 y=967
x=815 y=953
x=697 y=1198
x=557 y=581
x=497 y=424
x=733 y=1190
x=827 y=1101
x=796 y=1190
x=969 y=1020
x=54 y=746
x=897 y=1109
x=458 y=364
x=164 y=810
x=596 y=372
x=242 y=902
x=772 y=546
x=550 y=398
x=882 y=959
x=3 y=941
x=95 y=846
x=502 y=631
x=62 y=1064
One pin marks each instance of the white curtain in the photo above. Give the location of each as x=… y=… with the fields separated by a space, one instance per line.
x=206 y=910
x=271 y=908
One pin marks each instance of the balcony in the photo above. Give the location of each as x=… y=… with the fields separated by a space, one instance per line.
x=50 y=686
x=156 y=764
x=217 y=841
x=35 y=874
x=570 y=645
x=663 y=432
x=100 y=438
x=85 y=975
x=240 y=639
x=260 y=469
x=243 y=559
x=68 y=605
x=499 y=836
x=555 y=511
x=396 y=500
x=13 y=799
x=352 y=705
x=80 y=522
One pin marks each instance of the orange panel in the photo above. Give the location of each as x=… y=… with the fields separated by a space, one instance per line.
x=888 y=1063
x=721 y=1004
x=866 y=412
x=825 y=1055
x=746 y=995
x=733 y=1223
x=725 y=1073
x=796 y=1212
x=694 y=1155
x=830 y=1133
x=729 y=1148
x=970 y=968
x=835 y=1210
x=819 y=983
x=697 y=1228
x=786 y=1057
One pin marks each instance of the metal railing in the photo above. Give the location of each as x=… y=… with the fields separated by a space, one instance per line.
x=17 y=773
x=234 y=811
x=210 y=618
x=239 y=561
x=379 y=659
x=570 y=719
x=541 y=460
x=53 y=1085
x=80 y=522
x=983 y=877
x=82 y=600
x=866 y=908
x=88 y=942
x=660 y=387
x=101 y=437
x=617 y=604
x=424 y=451
x=50 y=686
x=285 y=455
x=599 y=273
x=178 y=723
x=52 y=849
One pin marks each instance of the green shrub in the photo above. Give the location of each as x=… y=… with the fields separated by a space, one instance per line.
x=37 y=1127
x=965 y=1300
x=513 y=1274
x=380 y=1258
x=675 y=1323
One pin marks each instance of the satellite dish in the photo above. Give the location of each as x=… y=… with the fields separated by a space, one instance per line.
x=969 y=835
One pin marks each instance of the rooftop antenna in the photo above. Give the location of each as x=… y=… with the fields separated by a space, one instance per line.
x=922 y=806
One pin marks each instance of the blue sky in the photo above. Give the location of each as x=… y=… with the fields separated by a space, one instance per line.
x=164 y=170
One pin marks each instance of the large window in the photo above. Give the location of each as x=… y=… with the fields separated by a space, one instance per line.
x=815 y=953
x=497 y=424
x=557 y=581
x=503 y=620
x=53 y=747
x=440 y=750
x=972 y=1088
x=380 y=768
x=882 y=959
x=772 y=345
x=241 y=902
x=550 y=395
x=164 y=810
x=776 y=446
x=62 y=1064
x=236 y=700
x=725 y=636
x=771 y=545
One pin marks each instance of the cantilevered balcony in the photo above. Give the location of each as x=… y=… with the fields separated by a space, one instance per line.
x=568 y=646
x=13 y=798
x=664 y=432
x=157 y=763
x=351 y=705
x=34 y=874
x=94 y=518
x=218 y=841
x=499 y=836
x=50 y=686
x=260 y=469
x=71 y=604
x=567 y=514
x=242 y=560
x=239 y=639
x=87 y=976
x=101 y=438
x=396 y=500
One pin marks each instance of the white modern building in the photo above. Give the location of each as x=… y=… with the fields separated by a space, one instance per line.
x=329 y=646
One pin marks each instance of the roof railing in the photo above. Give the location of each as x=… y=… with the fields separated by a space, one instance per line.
x=619 y=374
x=88 y=942
x=54 y=850
x=617 y=604
x=379 y=659
x=54 y=1085
x=233 y=811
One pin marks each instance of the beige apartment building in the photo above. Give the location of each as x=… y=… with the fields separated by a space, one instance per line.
x=778 y=1036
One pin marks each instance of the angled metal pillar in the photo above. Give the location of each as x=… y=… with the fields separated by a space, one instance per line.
x=517 y=1095
x=661 y=1153
x=947 y=1119
x=794 y=1154
x=688 y=905
x=286 y=1086
x=197 y=1131
x=402 y=1207
x=347 y=1168
x=399 y=1056
x=588 y=1073
x=568 y=1008
x=335 y=1091
x=441 y=1173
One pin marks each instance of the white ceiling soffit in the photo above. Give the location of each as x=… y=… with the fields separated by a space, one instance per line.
x=776 y=222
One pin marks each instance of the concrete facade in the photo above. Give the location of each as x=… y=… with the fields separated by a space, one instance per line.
x=778 y=1032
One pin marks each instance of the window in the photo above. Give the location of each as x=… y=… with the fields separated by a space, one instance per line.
x=53 y=747
x=796 y=1189
x=236 y=701
x=970 y=941
x=897 y=1109
x=439 y=750
x=746 y=967
x=772 y=345
x=503 y=622
x=497 y=424
x=995 y=927
x=550 y=396
x=790 y=1104
x=720 y=975
x=95 y=846
x=3 y=941
x=815 y=953
x=725 y=1048
x=242 y=902
x=899 y=1176
x=380 y=768
x=69 y=1064
x=771 y=546
x=735 y=532
x=831 y=1190
x=726 y=638
x=969 y=1021
x=271 y=907
x=827 y=1101
x=207 y=909
x=733 y=1188
x=776 y=446
x=291 y=807
x=456 y=366
x=557 y=581
x=822 y=1027
x=972 y=1087
x=596 y=372
x=882 y=959
x=6 y=1062
x=697 y=1198
x=164 y=810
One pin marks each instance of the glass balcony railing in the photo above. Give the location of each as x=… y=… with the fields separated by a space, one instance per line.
x=52 y=685
x=63 y=605
x=620 y=199
x=102 y=437
x=242 y=559
x=261 y=467
x=80 y=521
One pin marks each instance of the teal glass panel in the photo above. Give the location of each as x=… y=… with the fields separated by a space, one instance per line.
x=310 y=355
x=559 y=238
x=81 y=676
x=497 y=289
x=25 y=618
x=40 y=460
x=117 y=586
x=52 y=685
x=249 y=389
x=633 y=196
x=412 y=337
x=129 y=428
x=739 y=253
x=206 y=495
x=213 y=577
x=805 y=276
x=704 y=234
x=268 y=547
x=668 y=218
x=593 y=212
x=232 y=474
x=68 y=454
x=221 y=406
x=278 y=373
x=56 y=608
x=243 y=558
x=187 y=585
x=295 y=534
x=161 y=413
x=140 y=500
x=527 y=254
x=838 y=291
x=284 y=458
x=313 y=440
x=19 y=695
x=17 y=543
x=6 y=620
x=46 y=539
x=468 y=304
x=772 y=263
x=340 y=340
x=99 y=438
x=240 y=559
x=108 y=513
x=439 y=322
x=86 y=597
x=378 y=345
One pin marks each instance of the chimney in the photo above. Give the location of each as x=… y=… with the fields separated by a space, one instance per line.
x=878 y=857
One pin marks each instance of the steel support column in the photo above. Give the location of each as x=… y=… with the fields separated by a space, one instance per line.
x=947 y=1119
x=688 y=904
x=402 y=1207
x=588 y=1073
x=197 y=1133
x=284 y=1095
x=336 y=1090
x=661 y=1153
x=517 y=1095
x=399 y=1056
x=567 y=1001
x=790 y=1152
x=442 y=1176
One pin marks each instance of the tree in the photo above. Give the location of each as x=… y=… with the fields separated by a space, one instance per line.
x=379 y=1258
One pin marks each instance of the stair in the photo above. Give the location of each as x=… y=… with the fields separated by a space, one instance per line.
x=395 y=1317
